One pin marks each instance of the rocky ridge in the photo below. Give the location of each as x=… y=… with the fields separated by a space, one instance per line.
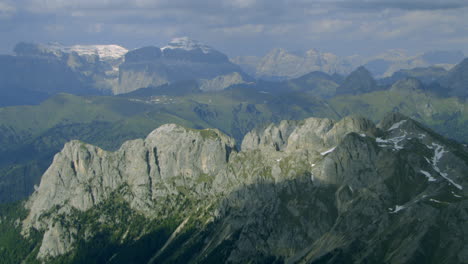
x=297 y=192
x=283 y=64
x=182 y=59
x=96 y=66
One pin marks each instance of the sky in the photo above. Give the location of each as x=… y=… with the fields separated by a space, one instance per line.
x=242 y=27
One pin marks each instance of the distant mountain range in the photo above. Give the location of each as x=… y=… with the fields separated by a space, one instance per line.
x=280 y=64
x=38 y=71
x=175 y=154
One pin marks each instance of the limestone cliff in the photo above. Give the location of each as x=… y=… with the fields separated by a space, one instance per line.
x=311 y=191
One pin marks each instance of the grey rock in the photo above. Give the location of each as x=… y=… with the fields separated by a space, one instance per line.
x=299 y=191
x=221 y=82
x=181 y=60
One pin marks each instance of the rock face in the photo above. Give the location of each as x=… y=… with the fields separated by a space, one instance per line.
x=221 y=82
x=281 y=64
x=83 y=175
x=38 y=71
x=182 y=59
x=95 y=65
x=311 y=191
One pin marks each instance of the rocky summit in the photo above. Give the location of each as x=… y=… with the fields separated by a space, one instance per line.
x=181 y=60
x=310 y=191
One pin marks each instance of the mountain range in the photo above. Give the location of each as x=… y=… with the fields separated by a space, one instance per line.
x=280 y=64
x=309 y=191
x=176 y=155
x=31 y=135
x=37 y=71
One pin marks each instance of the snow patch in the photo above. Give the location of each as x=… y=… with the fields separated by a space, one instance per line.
x=439 y=152
x=102 y=51
x=328 y=151
x=187 y=44
x=435 y=201
x=397 y=209
x=397 y=125
x=391 y=141
x=458 y=196
x=428 y=176
x=362 y=135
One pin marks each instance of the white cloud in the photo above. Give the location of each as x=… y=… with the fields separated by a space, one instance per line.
x=242 y=29
x=6 y=9
x=329 y=26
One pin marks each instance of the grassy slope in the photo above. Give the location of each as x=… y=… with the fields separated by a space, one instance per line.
x=448 y=116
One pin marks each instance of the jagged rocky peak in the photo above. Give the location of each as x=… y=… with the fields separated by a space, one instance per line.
x=393 y=120
x=309 y=189
x=403 y=129
x=83 y=175
x=315 y=133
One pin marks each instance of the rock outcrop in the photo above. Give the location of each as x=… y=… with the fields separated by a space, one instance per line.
x=306 y=191
x=182 y=59
x=221 y=82
x=281 y=64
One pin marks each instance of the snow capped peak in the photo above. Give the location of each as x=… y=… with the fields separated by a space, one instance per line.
x=103 y=51
x=188 y=44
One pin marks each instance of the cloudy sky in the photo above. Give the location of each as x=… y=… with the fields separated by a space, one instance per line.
x=242 y=27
